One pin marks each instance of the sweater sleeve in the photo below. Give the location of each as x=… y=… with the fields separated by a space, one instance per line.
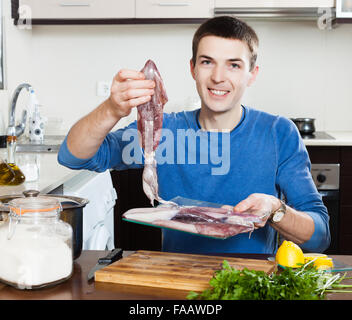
x=120 y=150
x=294 y=180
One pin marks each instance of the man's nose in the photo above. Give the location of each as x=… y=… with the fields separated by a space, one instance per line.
x=218 y=74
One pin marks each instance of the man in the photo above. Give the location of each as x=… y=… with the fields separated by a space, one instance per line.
x=267 y=158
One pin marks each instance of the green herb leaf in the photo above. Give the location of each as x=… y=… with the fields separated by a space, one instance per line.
x=305 y=283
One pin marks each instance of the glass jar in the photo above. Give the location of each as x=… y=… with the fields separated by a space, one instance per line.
x=35 y=245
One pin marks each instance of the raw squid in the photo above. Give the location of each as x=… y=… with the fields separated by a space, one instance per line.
x=149 y=124
x=214 y=222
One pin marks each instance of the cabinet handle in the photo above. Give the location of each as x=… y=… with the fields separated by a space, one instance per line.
x=68 y=4
x=173 y=4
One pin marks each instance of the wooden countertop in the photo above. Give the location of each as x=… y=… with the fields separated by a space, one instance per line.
x=78 y=288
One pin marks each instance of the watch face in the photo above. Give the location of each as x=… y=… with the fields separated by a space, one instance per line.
x=278 y=216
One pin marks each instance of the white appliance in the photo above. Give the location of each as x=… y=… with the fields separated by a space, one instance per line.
x=98 y=214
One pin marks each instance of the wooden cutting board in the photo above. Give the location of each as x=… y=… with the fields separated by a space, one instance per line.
x=176 y=271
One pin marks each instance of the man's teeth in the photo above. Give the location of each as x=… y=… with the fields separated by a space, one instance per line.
x=218 y=92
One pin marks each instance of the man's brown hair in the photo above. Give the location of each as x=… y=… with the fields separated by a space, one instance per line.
x=230 y=28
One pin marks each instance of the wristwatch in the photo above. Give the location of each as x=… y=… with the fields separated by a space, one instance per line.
x=277 y=215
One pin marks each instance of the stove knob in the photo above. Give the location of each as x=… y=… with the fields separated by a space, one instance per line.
x=321 y=178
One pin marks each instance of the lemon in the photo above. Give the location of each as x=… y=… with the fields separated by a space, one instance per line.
x=313 y=256
x=289 y=254
x=324 y=263
x=321 y=261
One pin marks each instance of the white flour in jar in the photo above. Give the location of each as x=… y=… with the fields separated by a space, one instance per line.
x=32 y=257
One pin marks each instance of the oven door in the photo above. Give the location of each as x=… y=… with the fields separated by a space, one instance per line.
x=331 y=201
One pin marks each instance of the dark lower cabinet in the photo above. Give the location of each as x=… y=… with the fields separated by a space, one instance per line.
x=128 y=235
x=343 y=156
x=346 y=201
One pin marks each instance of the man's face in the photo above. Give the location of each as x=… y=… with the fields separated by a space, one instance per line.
x=222 y=72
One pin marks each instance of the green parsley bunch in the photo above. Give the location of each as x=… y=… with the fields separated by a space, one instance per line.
x=305 y=283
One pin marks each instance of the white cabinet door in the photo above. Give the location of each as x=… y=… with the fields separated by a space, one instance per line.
x=274 y=3
x=80 y=9
x=174 y=8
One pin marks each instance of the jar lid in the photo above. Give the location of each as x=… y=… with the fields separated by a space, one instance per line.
x=34 y=204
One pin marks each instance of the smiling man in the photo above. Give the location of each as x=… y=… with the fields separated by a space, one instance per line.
x=222 y=72
x=268 y=162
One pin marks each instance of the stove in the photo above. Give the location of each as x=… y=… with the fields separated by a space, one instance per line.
x=321 y=135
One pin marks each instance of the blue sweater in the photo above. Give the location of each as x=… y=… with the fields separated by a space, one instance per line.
x=263 y=154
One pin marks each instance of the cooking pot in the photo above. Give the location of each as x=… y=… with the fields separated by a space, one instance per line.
x=72 y=213
x=305 y=125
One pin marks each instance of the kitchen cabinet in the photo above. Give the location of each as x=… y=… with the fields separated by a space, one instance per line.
x=343 y=156
x=162 y=11
x=113 y=11
x=174 y=9
x=82 y=9
x=274 y=3
x=130 y=194
x=346 y=200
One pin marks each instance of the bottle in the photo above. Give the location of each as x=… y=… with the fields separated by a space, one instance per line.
x=7 y=174
x=2 y=131
x=11 y=163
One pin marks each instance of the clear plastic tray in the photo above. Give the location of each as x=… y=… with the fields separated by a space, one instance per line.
x=339 y=266
x=196 y=217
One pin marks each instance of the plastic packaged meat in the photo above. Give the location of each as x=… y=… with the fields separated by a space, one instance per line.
x=196 y=217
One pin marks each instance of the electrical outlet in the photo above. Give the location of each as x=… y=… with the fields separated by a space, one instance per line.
x=103 y=88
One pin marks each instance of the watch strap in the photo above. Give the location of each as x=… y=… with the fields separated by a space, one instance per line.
x=281 y=209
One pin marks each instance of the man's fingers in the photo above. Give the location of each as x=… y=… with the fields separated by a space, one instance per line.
x=244 y=205
x=130 y=89
x=135 y=102
x=136 y=93
x=136 y=84
x=125 y=74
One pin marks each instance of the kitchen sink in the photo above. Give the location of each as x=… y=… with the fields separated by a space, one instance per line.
x=51 y=143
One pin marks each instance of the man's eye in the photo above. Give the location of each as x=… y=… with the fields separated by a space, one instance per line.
x=205 y=62
x=235 y=65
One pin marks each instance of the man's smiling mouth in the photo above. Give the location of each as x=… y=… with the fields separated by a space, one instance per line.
x=218 y=92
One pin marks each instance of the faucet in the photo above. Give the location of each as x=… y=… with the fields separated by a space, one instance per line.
x=12 y=129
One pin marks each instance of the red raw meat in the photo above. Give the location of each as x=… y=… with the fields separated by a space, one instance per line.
x=150 y=114
x=222 y=230
x=214 y=222
x=149 y=124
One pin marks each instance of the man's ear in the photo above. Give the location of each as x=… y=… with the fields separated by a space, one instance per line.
x=192 y=69
x=253 y=76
